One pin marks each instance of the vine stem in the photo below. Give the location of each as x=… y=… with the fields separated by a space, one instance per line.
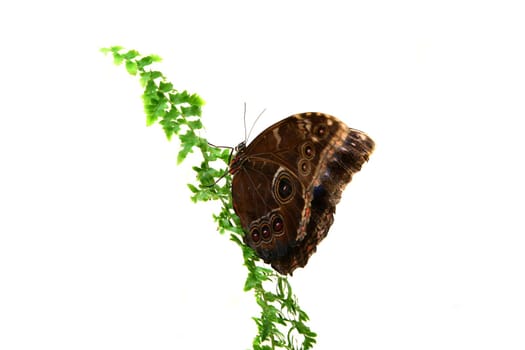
x=179 y=115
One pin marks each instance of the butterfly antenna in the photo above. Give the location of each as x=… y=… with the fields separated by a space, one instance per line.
x=253 y=125
x=244 y=119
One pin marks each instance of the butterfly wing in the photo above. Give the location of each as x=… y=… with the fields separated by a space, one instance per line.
x=288 y=182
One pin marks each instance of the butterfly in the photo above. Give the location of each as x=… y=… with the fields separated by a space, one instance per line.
x=287 y=182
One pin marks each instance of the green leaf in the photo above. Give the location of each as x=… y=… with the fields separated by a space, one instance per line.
x=183 y=153
x=170 y=128
x=203 y=195
x=269 y=296
x=156 y=75
x=155 y=107
x=195 y=125
x=191 y=110
x=148 y=77
x=189 y=138
x=179 y=97
x=303 y=316
x=117 y=59
x=165 y=87
x=155 y=58
x=236 y=239
x=173 y=113
x=131 y=67
x=196 y=100
x=193 y=188
x=251 y=282
x=225 y=155
x=147 y=60
x=188 y=141
x=131 y=54
x=116 y=49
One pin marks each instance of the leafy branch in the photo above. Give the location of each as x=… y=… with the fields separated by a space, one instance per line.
x=282 y=323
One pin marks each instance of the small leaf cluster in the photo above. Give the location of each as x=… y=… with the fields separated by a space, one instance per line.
x=178 y=112
x=282 y=323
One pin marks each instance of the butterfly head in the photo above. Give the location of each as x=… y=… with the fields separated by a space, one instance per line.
x=240 y=147
x=238 y=159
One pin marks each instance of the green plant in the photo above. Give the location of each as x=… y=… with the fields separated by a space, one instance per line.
x=282 y=323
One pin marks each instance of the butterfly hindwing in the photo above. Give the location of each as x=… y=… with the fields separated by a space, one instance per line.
x=288 y=181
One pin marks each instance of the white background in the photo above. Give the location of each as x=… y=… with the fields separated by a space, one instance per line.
x=100 y=247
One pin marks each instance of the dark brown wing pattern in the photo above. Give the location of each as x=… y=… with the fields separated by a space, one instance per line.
x=287 y=182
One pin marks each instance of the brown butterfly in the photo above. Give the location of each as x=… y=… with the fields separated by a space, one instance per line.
x=287 y=182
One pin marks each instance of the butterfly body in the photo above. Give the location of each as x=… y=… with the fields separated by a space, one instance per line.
x=287 y=182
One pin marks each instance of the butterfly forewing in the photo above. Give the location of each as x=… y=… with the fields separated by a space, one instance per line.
x=287 y=182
